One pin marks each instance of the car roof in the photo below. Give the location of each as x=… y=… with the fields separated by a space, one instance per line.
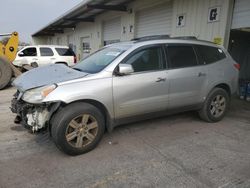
x=178 y=41
x=164 y=39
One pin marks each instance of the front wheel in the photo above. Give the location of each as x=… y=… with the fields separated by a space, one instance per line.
x=215 y=106
x=5 y=73
x=77 y=128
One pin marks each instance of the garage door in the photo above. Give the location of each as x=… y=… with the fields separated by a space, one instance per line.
x=112 y=31
x=154 y=21
x=241 y=15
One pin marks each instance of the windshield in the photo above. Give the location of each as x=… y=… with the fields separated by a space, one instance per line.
x=99 y=60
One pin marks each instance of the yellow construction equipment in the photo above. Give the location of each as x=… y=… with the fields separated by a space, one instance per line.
x=8 y=53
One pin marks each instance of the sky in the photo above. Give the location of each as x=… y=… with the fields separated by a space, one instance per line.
x=28 y=16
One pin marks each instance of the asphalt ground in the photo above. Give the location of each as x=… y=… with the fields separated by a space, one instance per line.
x=174 y=151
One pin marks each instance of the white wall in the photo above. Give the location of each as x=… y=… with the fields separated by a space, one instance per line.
x=197 y=19
x=39 y=40
x=196 y=22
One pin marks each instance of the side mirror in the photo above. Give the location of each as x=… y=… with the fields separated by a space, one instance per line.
x=20 y=54
x=125 y=69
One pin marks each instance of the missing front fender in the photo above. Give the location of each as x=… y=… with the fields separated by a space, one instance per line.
x=34 y=117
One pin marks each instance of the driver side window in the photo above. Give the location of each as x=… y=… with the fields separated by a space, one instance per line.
x=28 y=52
x=149 y=59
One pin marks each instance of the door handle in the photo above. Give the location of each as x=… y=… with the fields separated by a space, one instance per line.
x=34 y=59
x=201 y=74
x=161 y=80
x=53 y=58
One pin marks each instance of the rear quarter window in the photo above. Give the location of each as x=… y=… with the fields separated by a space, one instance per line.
x=65 y=52
x=209 y=54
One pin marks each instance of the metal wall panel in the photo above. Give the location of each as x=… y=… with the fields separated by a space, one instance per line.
x=241 y=14
x=154 y=21
x=112 y=29
x=197 y=24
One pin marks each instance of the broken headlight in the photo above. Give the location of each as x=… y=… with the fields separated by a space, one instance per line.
x=38 y=94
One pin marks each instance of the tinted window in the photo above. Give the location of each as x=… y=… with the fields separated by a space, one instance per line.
x=146 y=60
x=46 y=52
x=29 y=52
x=65 y=52
x=209 y=54
x=181 y=56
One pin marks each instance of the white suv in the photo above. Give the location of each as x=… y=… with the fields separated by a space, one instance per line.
x=41 y=55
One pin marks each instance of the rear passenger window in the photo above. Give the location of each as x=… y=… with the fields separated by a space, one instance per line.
x=46 y=52
x=208 y=54
x=65 y=52
x=181 y=56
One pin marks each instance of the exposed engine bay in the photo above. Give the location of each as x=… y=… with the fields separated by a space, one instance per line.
x=34 y=117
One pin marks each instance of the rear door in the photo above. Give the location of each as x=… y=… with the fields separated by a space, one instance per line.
x=187 y=78
x=46 y=56
x=146 y=90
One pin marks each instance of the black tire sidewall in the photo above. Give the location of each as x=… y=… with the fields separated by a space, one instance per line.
x=6 y=73
x=63 y=118
x=212 y=95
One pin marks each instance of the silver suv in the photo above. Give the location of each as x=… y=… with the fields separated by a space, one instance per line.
x=125 y=82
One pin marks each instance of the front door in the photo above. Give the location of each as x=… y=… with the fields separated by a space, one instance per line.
x=26 y=56
x=145 y=90
x=46 y=56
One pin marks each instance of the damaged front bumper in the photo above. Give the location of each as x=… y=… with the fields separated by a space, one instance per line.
x=35 y=117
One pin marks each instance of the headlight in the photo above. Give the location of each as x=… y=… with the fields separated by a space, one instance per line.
x=38 y=94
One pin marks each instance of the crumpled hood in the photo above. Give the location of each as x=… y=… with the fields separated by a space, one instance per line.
x=46 y=75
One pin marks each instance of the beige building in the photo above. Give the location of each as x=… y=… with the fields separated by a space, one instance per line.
x=95 y=23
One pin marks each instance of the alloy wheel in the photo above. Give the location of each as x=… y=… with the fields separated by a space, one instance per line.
x=82 y=131
x=218 y=106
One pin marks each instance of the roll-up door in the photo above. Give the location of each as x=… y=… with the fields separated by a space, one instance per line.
x=154 y=20
x=112 y=31
x=241 y=14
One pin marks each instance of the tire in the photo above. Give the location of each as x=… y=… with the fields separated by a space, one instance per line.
x=5 y=73
x=69 y=128
x=215 y=106
x=34 y=65
x=62 y=63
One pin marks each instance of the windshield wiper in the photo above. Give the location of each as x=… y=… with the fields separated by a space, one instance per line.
x=78 y=69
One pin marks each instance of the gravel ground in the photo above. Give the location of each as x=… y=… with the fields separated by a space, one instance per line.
x=174 y=151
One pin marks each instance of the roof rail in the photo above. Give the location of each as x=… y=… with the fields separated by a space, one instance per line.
x=185 y=37
x=152 y=37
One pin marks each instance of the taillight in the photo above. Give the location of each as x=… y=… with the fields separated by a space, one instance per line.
x=237 y=66
x=75 y=60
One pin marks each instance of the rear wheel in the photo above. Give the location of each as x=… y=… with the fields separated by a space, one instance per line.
x=5 y=73
x=62 y=63
x=215 y=106
x=77 y=128
x=34 y=65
